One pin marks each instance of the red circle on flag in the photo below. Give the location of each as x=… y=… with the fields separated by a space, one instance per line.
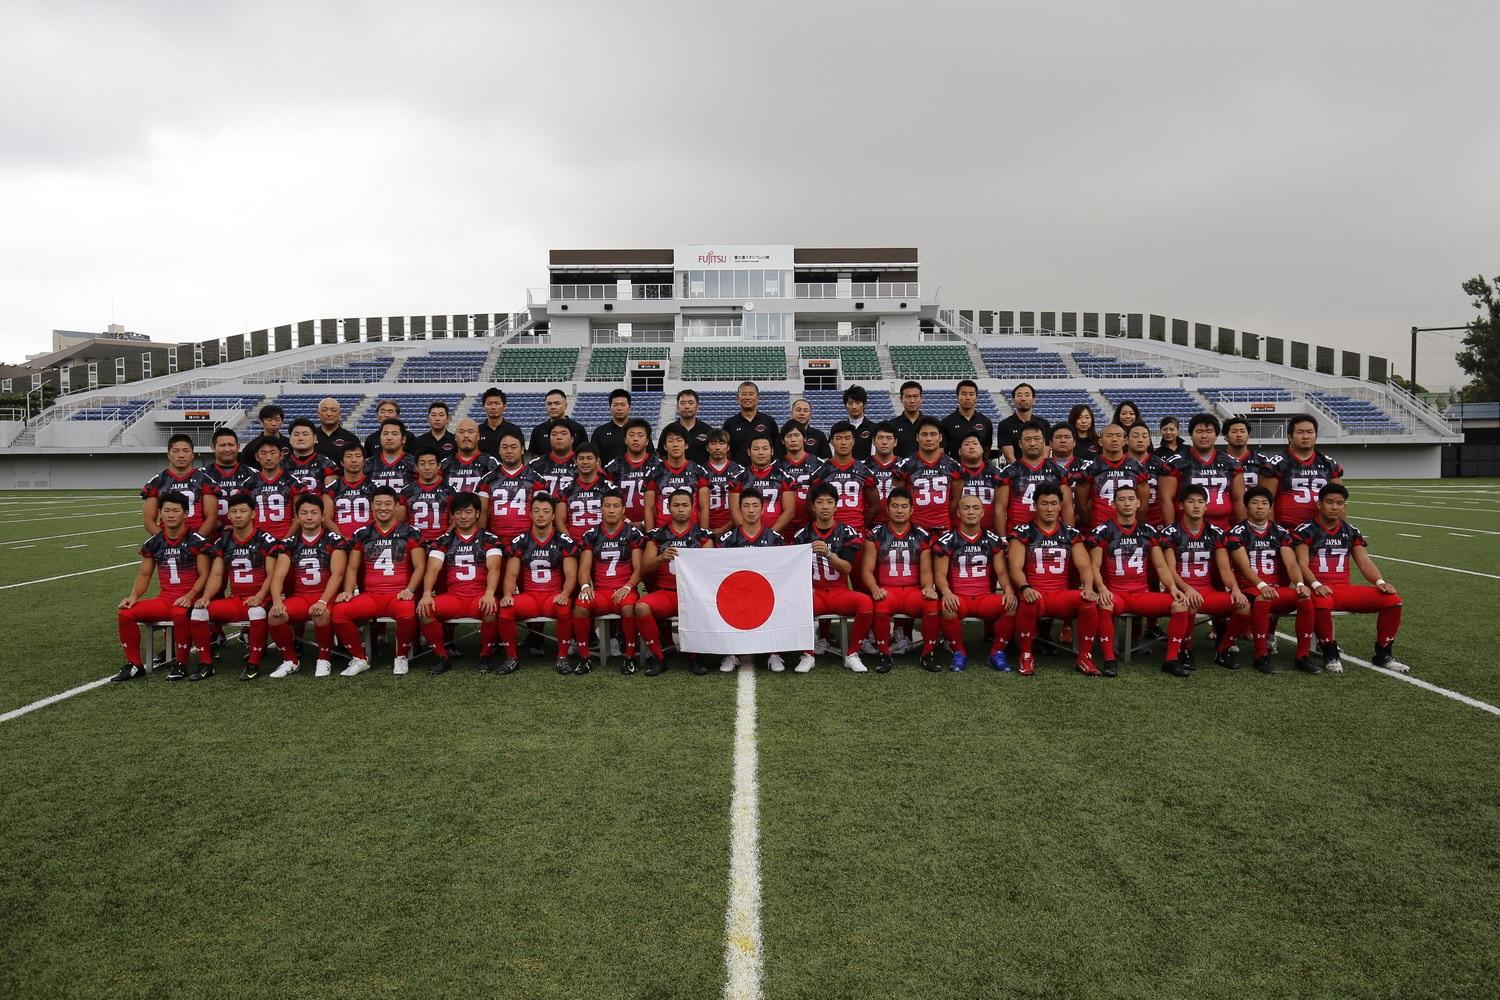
x=745 y=599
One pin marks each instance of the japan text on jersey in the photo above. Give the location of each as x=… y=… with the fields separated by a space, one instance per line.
x=1127 y=553
x=542 y=559
x=851 y=481
x=933 y=485
x=176 y=560
x=801 y=475
x=248 y=560
x=196 y=487
x=887 y=476
x=1262 y=547
x=771 y=483
x=724 y=483
x=612 y=553
x=1194 y=552
x=309 y=473
x=386 y=557
x=898 y=556
x=465 y=475
x=1250 y=465
x=1329 y=550
x=1216 y=474
x=273 y=501
x=464 y=559
x=982 y=482
x=586 y=503
x=970 y=560
x=632 y=478
x=1049 y=554
x=843 y=540
x=1106 y=478
x=736 y=538
x=351 y=503
x=1298 y=483
x=228 y=482
x=428 y=506
x=557 y=474
x=397 y=473
x=510 y=492
x=668 y=480
x=312 y=559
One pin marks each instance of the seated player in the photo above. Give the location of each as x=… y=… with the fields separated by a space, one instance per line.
x=180 y=560
x=244 y=556
x=1043 y=557
x=764 y=475
x=1200 y=563
x=582 y=501
x=855 y=483
x=675 y=473
x=634 y=469
x=387 y=563
x=346 y=504
x=1124 y=554
x=897 y=570
x=969 y=570
x=752 y=532
x=1325 y=546
x=657 y=557
x=539 y=579
x=428 y=498
x=510 y=488
x=982 y=479
x=800 y=468
x=309 y=571
x=272 y=489
x=1015 y=501
x=725 y=480
x=464 y=569
x=836 y=548
x=1261 y=551
x=188 y=481
x=466 y=468
x=609 y=564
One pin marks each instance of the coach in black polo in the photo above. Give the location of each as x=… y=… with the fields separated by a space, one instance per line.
x=1022 y=397
x=609 y=437
x=494 y=426
x=557 y=413
x=855 y=399
x=693 y=430
x=904 y=424
x=748 y=424
x=967 y=420
x=333 y=437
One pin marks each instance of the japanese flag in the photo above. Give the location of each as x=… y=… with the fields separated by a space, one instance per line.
x=756 y=600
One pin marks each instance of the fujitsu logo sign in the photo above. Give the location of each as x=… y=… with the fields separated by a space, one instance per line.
x=712 y=258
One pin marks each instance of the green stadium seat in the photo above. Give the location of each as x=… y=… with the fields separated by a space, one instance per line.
x=536 y=364
x=932 y=361
x=729 y=362
x=611 y=364
x=857 y=361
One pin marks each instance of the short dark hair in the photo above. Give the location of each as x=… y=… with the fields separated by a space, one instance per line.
x=511 y=432
x=673 y=432
x=555 y=392
x=619 y=394
x=179 y=439
x=927 y=421
x=790 y=426
x=752 y=493
x=1194 y=490
x=174 y=496
x=262 y=442
x=640 y=422
x=612 y=494
x=1203 y=420
x=303 y=499
x=1031 y=425
x=909 y=384
x=1061 y=427
x=1046 y=490
x=884 y=427
x=465 y=501
x=760 y=437
x=841 y=427
x=428 y=452
x=271 y=410
x=899 y=493
x=1020 y=386
x=823 y=490
x=687 y=392
x=1334 y=489
x=856 y=392
x=241 y=500
x=1259 y=492
x=747 y=384
x=967 y=383
x=389 y=421
x=718 y=436
x=1236 y=420
x=303 y=422
x=1301 y=418
x=225 y=432
x=546 y=498
x=382 y=491
x=970 y=434
x=586 y=448
x=1164 y=421
x=491 y=393
x=352 y=446
x=437 y=404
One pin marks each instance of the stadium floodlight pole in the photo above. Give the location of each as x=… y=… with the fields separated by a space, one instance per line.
x=1426 y=329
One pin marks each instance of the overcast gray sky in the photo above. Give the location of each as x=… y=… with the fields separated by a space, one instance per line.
x=1319 y=171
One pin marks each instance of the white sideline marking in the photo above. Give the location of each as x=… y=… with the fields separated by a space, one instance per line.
x=743 y=951
x=1483 y=706
x=16 y=713
x=1457 y=535
x=73 y=517
x=1451 y=569
x=18 y=548
x=1422 y=524
x=1362 y=502
x=1400 y=534
x=66 y=576
x=75 y=534
x=80 y=545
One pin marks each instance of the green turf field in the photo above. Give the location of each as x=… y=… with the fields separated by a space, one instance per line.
x=922 y=836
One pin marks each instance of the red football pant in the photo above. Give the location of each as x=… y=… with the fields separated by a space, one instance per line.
x=536 y=604
x=1063 y=604
x=299 y=613
x=1285 y=601
x=446 y=607
x=1217 y=604
x=158 y=609
x=990 y=608
x=347 y=618
x=660 y=605
x=1363 y=600
x=849 y=603
x=906 y=601
x=1152 y=604
x=603 y=603
x=230 y=610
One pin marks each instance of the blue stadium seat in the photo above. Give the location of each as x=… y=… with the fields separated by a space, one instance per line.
x=122 y=412
x=413 y=410
x=1023 y=363
x=444 y=366
x=1359 y=415
x=359 y=372
x=1156 y=402
x=1109 y=366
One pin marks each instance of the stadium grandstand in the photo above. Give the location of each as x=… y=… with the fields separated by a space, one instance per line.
x=800 y=322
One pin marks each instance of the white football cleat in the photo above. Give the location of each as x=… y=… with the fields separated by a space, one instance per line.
x=1334 y=665
x=854 y=663
x=805 y=664
x=776 y=664
x=401 y=666
x=323 y=669
x=1398 y=667
x=728 y=664
x=287 y=667
x=355 y=668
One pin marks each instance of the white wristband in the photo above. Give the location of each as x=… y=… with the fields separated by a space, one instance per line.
x=1312 y=584
x=1380 y=583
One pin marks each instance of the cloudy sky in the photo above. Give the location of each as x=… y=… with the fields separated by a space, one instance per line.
x=1319 y=171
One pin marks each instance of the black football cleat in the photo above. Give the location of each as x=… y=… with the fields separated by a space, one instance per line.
x=1110 y=668
x=251 y=671
x=654 y=666
x=159 y=660
x=628 y=665
x=439 y=668
x=563 y=666
x=486 y=665
x=1385 y=656
x=697 y=665
x=584 y=665
x=929 y=662
x=1186 y=658
x=128 y=672
x=883 y=663
x=1332 y=657
x=1306 y=665
x=203 y=673
x=509 y=665
x=1263 y=665
x=177 y=673
x=1176 y=668
x=1226 y=660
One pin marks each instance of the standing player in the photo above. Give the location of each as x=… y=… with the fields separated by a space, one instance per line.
x=510 y=488
x=800 y=468
x=1237 y=447
x=1261 y=551
x=852 y=480
x=888 y=468
x=464 y=570
x=583 y=501
x=244 y=556
x=674 y=474
x=635 y=468
x=1325 y=546
x=228 y=476
x=428 y=499
x=556 y=468
x=1043 y=558
x=837 y=547
x=932 y=479
x=1200 y=563
x=969 y=570
x=609 y=566
x=180 y=559
x=981 y=479
x=658 y=555
x=1160 y=479
x=897 y=570
x=309 y=571
x=1125 y=553
x=392 y=466
x=192 y=484
x=725 y=480
x=387 y=564
x=764 y=475
x=540 y=577
x=751 y=533
x=1110 y=474
x=466 y=468
x=1219 y=475
x=1298 y=474
x=1015 y=503
x=307 y=466
x=346 y=504
x=272 y=489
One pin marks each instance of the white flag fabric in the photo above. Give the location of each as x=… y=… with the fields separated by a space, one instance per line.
x=753 y=600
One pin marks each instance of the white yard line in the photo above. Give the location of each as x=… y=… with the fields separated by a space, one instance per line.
x=1421 y=505
x=80 y=545
x=1422 y=524
x=1450 y=569
x=744 y=956
x=18 y=548
x=1402 y=534
x=16 y=713
x=1483 y=706
x=75 y=534
x=71 y=517
x=68 y=576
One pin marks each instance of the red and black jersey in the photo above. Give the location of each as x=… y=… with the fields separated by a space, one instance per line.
x=800 y=476
x=844 y=541
x=465 y=475
x=736 y=538
x=851 y=481
x=1049 y=555
x=632 y=478
x=898 y=557
x=386 y=566
x=724 y=484
x=585 y=503
x=1075 y=468
x=542 y=559
x=1250 y=463
x=510 y=492
x=667 y=537
x=196 y=487
x=464 y=559
x=1262 y=548
x=1329 y=550
x=982 y=482
x=970 y=560
x=312 y=560
x=176 y=560
x=273 y=502
x=1023 y=479
x=557 y=473
x=1216 y=474
x=668 y=480
x=429 y=507
x=228 y=482
x=612 y=559
x=309 y=473
x=351 y=504
x=1127 y=554
x=247 y=560
x=1105 y=479
x=398 y=473
x=1195 y=554
x=933 y=486
x=887 y=476
x=771 y=481
x=1155 y=470
x=1298 y=483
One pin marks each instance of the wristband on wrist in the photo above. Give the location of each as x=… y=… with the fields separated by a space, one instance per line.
x=1380 y=583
